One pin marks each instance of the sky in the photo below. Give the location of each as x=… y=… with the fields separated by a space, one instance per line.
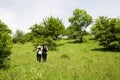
x=22 y=14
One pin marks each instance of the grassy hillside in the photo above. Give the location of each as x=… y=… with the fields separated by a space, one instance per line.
x=71 y=61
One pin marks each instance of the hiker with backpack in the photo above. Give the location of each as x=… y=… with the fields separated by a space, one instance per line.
x=44 y=53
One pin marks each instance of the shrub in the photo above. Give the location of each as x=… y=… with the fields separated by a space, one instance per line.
x=5 y=43
x=107 y=32
x=49 y=42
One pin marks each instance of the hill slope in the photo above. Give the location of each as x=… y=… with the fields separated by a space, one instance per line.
x=71 y=61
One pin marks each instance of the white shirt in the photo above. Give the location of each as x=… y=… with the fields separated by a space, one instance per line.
x=40 y=52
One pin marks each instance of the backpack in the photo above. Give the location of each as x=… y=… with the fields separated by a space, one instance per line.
x=44 y=49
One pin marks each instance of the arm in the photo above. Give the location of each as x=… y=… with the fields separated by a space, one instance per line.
x=36 y=50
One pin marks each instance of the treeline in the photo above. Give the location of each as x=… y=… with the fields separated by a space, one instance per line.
x=51 y=28
x=105 y=30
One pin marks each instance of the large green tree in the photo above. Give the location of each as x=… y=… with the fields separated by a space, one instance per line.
x=5 y=43
x=38 y=30
x=80 y=19
x=107 y=32
x=49 y=27
x=47 y=31
x=53 y=27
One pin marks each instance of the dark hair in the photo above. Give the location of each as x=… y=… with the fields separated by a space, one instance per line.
x=43 y=45
x=39 y=48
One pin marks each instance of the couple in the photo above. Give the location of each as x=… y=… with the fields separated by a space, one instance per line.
x=41 y=52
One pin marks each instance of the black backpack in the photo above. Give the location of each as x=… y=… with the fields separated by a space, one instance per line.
x=44 y=49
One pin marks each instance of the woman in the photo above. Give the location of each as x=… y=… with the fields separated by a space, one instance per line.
x=39 y=53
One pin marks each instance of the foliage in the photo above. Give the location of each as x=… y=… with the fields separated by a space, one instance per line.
x=5 y=43
x=53 y=27
x=19 y=37
x=79 y=21
x=29 y=37
x=72 y=31
x=46 y=41
x=107 y=32
x=38 y=30
x=47 y=31
x=50 y=27
x=51 y=43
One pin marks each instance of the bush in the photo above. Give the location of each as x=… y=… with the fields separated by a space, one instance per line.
x=5 y=43
x=107 y=32
x=49 y=42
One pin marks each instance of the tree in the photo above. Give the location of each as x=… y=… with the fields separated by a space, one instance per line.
x=49 y=27
x=107 y=32
x=80 y=19
x=53 y=27
x=38 y=30
x=47 y=31
x=72 y=32
x=29 y=37
x=5 y=43
x=19 y=36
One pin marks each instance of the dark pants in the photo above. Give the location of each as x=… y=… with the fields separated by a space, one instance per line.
x=39 y=57
x=44 y=56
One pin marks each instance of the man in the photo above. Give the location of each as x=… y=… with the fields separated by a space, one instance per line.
x=44 y=53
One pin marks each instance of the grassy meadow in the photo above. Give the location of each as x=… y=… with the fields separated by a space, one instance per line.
x=71 y=61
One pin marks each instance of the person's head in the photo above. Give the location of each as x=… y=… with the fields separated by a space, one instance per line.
x=39 y=47
x=43 y=45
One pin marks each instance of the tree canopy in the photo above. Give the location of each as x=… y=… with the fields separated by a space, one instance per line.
x=47 y=31
x=53 y=27
x=81 y=19
x=50 y=27
x=107 y=32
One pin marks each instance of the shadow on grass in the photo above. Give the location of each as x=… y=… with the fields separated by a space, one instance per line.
x=59 y=44
x=106 y=50
x=54 y=47
x=64 y=56
x=76 y=41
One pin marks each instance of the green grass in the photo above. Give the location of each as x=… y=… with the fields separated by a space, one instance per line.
x=71 y=61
